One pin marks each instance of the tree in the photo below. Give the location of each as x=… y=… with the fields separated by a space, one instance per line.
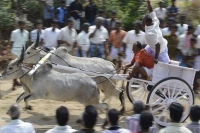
x=128 y=10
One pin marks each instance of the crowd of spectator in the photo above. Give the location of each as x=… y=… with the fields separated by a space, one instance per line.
x=141 y=122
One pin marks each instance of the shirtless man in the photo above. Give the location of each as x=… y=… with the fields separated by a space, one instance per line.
x=157 y=45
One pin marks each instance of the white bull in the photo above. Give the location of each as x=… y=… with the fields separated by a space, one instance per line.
x=46 y=83
x=62 y=57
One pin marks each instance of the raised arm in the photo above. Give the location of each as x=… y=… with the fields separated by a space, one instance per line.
x=149 y=6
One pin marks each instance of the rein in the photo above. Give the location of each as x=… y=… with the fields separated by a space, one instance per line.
x=19 y=69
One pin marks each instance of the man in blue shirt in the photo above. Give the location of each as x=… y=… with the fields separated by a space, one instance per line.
x=61 y=13
x=173 y=10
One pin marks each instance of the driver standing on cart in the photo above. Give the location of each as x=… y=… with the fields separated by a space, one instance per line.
x=157 y=45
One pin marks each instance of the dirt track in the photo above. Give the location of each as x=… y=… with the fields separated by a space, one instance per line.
x=43 y=113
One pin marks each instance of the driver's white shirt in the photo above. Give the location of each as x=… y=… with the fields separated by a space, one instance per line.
x=153 y=34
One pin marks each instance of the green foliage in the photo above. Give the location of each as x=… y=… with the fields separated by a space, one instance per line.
x=7 y=18
x=192 y=11
x=128 y=10
x=33 y=9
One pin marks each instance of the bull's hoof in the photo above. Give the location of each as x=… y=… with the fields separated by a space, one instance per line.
x=29 y=107
x=79 y=121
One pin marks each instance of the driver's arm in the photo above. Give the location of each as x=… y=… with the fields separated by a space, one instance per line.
x=157 y=51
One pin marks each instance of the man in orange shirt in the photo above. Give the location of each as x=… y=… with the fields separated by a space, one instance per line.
x=142 y=63
x=116 y=37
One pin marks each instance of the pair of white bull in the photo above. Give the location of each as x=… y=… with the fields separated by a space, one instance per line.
x=47 y=83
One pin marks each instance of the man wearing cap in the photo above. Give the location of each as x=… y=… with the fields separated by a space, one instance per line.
x=160 y=11
x=16 y=125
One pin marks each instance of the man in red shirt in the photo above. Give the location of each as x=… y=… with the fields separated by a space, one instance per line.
x=142 y=63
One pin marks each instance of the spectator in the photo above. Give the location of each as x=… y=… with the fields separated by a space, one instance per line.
x=172 y=42
x=116 y=37
x=62 y=117
x=89 y=119
x=98 y=39
x=167 y=29
x=91 y=12
x=61 y=12
x=176 y=112
x=39 y=27
x=67 y=36
x=102 y=14
x=146 y=122
x=173 y=10
x=50 y=36
x=188 y=59
x=113 y=117
x=162 y=23
x=48 y=12
x=194 y=126
x=68 y=2
x=184 y=43
x=197 y=75
x=198 y=42
x=112 y=21
x=75 y=10
x=197 y=31
x=160 y=11
x=182 y=27
x=130 y=38
x=16 y=125
x=133 y=121
x=83 y=41
x=19 y=38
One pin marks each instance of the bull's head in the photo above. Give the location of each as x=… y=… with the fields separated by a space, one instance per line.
x=33 y=54
x=13 y=70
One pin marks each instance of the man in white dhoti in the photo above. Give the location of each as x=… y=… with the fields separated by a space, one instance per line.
x=19 y=38
x=157 y=45
x=17 y=125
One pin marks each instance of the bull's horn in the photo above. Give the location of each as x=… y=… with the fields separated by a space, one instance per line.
x=37 y=40
x=21 y=56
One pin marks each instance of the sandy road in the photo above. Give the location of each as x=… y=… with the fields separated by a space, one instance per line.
x=43 y=113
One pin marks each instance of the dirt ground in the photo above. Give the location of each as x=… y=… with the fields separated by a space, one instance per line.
x=43 y=114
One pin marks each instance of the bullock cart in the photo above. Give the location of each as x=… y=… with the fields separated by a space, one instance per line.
x=169 y=83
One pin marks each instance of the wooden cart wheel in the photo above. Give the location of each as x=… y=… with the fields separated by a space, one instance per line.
x=136 y=92
x=165 y=92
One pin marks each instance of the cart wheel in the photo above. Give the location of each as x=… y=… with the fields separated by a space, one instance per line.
x=165 y=92
x=136 y=92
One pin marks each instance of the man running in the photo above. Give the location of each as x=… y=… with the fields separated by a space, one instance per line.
x=157 y=45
